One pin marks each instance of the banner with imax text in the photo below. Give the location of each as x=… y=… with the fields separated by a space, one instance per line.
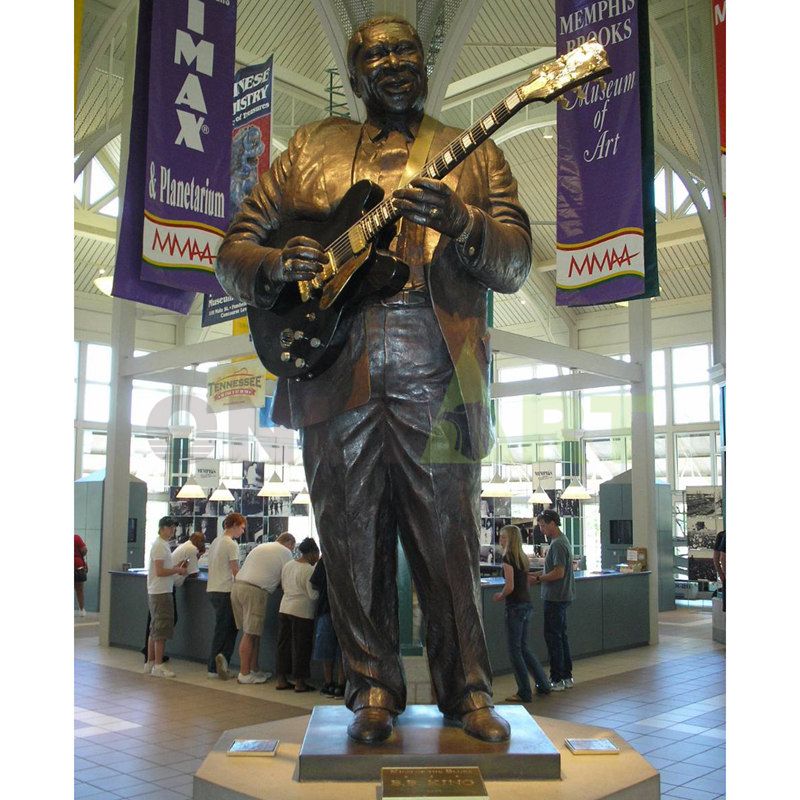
x=187 y=169
x=606 y=247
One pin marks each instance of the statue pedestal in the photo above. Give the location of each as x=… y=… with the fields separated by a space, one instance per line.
x=423 y=738
x=626 y=776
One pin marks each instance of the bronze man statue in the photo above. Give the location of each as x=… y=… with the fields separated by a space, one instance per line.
x=394 y=431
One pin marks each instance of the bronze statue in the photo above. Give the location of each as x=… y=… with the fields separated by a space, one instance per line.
x=394 y=430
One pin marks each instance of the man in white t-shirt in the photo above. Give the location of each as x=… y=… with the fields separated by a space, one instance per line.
x=160 y=577
x=223 y=564
x=259 y=576
x=190 y=551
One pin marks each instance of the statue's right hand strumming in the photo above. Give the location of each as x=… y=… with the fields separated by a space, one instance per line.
x=301 y=259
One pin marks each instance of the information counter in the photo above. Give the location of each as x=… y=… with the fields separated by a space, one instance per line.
x=610 y=612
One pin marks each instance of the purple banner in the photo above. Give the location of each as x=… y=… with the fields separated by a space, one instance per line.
x=250 y=147
x=187 y=168
x=606 y=220
x=128 y=283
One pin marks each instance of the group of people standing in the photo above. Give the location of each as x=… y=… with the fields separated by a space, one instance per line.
x=239 y=597
x=558 y=590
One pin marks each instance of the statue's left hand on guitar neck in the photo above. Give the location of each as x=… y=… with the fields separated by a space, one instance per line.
x=432 y=203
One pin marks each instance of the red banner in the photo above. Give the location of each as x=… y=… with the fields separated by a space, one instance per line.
x=719 y=56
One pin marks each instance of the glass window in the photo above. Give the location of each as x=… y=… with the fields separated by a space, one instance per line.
x=546 y=371
x=660 y=407
x=151 y=404
x=98 y=363
x=149 y=456
x=94 y=452
x=96 y=402
x=605 y=458
x=690 y=364
x=693 y=455
x=659 y=368
x=679 y=192
x=660 y=185
x=660 y=449
x=510 y=416
x=111 y=208
x=511 y=374
x=691 y=404
x=101 y=183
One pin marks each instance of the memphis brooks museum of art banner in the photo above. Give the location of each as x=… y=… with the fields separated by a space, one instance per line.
x=606 y=243
x=252 y=118
x=176 y=194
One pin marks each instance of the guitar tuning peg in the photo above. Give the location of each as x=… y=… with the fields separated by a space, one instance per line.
x=602 y=82
x=562 y=101
x=580 y=93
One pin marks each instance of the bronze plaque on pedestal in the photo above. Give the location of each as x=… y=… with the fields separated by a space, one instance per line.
x=423 y=738
x=432 y=783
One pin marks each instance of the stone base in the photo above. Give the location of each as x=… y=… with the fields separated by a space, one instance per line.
x=626 y=776
x=423 y=738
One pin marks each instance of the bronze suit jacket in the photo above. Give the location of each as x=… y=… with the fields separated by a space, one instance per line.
x=307 y=181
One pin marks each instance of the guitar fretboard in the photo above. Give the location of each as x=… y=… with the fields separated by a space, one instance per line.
x=368 y=227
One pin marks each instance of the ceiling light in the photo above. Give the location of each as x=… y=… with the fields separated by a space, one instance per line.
x=222 y=494
x=274 y=488
x=191 y=490
x=497 y=487
x=540 y=496
x=303 y=498
x=104 y=284
x=575 y=491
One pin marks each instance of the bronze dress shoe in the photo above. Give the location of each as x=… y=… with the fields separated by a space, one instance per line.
x=371 y=725
x=486 y=724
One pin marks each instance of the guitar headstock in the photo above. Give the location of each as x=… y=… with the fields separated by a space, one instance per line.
x=580 y=65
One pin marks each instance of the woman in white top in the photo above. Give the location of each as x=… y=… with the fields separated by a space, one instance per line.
x=296 y=619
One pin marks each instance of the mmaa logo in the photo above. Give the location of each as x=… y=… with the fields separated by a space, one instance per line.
x=187 y=247
x=608 y=262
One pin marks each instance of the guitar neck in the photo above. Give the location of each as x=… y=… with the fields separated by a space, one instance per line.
x=368 y=227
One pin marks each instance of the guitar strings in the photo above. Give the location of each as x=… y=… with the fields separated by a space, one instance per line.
x=340 y=247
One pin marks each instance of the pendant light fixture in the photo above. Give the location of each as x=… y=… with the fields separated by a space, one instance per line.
x=575 y=491
x=222 y=494
x=274 y=487
x=191 y=490
x=540 y=496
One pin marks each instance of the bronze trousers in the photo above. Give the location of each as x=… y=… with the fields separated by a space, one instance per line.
x=371 y=478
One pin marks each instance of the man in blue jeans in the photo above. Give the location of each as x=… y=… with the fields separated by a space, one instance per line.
x=558 y=591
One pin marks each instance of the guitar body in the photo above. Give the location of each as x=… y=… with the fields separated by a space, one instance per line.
x=299 y=340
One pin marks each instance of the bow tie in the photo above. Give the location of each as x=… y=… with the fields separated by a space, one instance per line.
x=386 y=127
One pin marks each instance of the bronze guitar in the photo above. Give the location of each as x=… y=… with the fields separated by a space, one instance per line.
x=305 y=330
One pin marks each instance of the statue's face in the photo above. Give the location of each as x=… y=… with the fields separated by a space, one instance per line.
x=390 y=71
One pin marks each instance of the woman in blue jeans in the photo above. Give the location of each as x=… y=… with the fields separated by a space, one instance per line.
x=518 y=612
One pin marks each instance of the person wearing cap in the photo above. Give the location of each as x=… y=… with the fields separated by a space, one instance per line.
x=259 y=576
x=223 y=564
x=160 y=580
x=558 y=591
x=296 y=619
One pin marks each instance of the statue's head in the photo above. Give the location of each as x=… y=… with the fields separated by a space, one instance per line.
x=386 y=66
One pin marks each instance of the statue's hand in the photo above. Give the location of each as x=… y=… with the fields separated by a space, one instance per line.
x=432 y=203
x=301 y=259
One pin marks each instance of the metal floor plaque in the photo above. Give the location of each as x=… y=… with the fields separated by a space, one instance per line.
x=423 y=738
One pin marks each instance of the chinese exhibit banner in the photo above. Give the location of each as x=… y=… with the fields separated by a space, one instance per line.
x=249 y=157
x=606 y=246
x=182 y=125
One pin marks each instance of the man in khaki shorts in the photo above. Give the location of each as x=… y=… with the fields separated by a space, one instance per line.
x=160 y=578
x=259 y=576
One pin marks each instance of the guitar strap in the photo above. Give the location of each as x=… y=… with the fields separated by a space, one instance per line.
x=418 y=154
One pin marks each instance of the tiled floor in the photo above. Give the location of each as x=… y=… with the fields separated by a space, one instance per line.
x=144 y=737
